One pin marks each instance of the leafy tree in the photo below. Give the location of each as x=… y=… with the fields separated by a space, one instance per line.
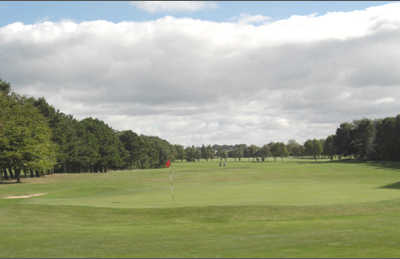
x=313 y=147
x=309 y=147
x=64 y=129
x=317 y=148
x=131 y=142
x=104 y=143
x=190 y=154
x=363 y=137
x=293 y=148
x=203 y=152
x=252 y=151
x=282 y=150
x=275 y=149
x=329 y=146
x=343 y=140
x=264 y=152
x=5 y=87
x=25 y=137
x=210 y=152
x=180 y=152
x=386 y=139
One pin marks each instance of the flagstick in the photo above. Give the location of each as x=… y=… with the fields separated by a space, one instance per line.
x=171 y=183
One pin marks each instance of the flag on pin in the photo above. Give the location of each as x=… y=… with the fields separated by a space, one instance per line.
x=168 y=163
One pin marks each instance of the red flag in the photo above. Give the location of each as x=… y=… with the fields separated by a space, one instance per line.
x=168 y=163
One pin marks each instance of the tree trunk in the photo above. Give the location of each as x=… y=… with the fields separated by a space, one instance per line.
x=17 y=174
x=37 y=173
x=12 y=174
x=31 y=172
x=6 y=174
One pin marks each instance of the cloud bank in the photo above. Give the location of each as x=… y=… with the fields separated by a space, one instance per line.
x=173 y=6
x=194 y=81
x=251 y=19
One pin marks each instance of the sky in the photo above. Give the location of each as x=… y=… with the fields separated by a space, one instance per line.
x=207 y=72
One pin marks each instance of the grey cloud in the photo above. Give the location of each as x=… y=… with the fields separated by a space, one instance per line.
x=195 y=82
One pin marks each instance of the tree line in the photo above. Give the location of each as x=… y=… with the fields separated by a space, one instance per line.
x=37 y=139
x=240 y=151
x=363 y=139
x=368 y=139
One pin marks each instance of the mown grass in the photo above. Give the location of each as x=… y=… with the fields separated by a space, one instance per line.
x=292 y=208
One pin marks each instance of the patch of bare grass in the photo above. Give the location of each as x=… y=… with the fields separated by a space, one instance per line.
x=25 y=196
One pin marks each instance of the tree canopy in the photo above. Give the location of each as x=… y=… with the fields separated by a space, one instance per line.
x=36 y=139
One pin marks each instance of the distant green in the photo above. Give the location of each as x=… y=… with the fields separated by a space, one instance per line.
x=290 y=208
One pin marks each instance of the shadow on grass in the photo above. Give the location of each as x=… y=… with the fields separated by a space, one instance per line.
x=394 y=165
x=395 y=185
x=324 y=161
x=9 y=182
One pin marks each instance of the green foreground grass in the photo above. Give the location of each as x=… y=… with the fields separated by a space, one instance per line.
x=292 y=208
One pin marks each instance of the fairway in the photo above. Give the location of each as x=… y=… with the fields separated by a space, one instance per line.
x=290 y=208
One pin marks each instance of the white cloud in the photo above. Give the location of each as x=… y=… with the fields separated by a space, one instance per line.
x=385 y=100
x=251 y=19
x=173 y=6
x=194 y=81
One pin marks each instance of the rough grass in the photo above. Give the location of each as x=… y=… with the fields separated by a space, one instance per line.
x=292 y=208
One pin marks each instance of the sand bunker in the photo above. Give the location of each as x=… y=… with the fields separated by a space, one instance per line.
x=25 y=196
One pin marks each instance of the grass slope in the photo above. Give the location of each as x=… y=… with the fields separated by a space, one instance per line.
x=295 y=208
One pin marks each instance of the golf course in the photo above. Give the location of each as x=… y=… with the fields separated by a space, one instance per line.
x=282 y=208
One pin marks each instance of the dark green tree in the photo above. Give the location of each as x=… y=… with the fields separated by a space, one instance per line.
x=363 y=137
x=329 y=147
x=343 y=140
